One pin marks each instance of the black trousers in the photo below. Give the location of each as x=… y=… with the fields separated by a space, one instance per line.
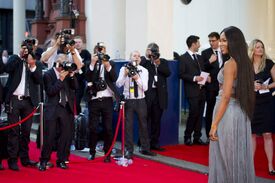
x=63 y=119
x=210 y=101
x=139 y=107
x=154 y=117
x=194 y=121
x=19 y=136
x=100 y=108
x=79 y=93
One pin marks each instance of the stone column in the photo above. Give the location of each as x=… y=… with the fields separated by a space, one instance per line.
x=89 y=25
x=19 y=20
x=149 y=21
x=270 y=44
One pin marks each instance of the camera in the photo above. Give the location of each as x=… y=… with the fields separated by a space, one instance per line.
x=68 y=66
x=65 y=38
x=132 y=68
x=101 y=56
x=154 y=53
x=29 y=43
x=100 y=85
x=94 y=87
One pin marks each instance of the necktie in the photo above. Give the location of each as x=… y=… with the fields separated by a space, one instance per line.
x=135 y=89
x=62 y=97
x=217 y=53
x=196 y=60
x=27 y=83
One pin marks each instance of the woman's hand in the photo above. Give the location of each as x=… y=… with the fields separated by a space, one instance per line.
x=213 y=133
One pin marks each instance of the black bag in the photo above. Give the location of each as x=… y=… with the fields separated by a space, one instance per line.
x=3 y=141
x=81 y=132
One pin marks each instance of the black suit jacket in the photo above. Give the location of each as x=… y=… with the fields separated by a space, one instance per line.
x=212 y=68
x=109 y=77
x=53 y=86
x=2 y=67
x=14 y=68
x=163 y=72
x=188 y=68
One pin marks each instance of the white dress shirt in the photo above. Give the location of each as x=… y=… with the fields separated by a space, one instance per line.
x=20 y=90
x=125 y=81
x=104 y=93
x=53 y=57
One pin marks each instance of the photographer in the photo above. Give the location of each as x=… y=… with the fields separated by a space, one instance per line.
x=21 y=97
x=63 y=44
x=157 y=94
x=135 y=83
x=86 y=57
x=60 y=84
x=101 y=76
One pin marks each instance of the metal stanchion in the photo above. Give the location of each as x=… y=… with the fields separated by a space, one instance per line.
x=49 y=164
x=122 y=161
x=41 y=124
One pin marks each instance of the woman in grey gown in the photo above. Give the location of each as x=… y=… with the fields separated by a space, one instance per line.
x=230 y=153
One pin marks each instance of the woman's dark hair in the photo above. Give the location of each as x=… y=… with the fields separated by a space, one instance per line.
x=237 y=49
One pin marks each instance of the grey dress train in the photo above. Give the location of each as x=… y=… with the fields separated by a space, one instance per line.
x=230 y=158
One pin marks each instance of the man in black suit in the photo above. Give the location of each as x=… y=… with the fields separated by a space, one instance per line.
x=190 y=67
x=3 y=140
x=21 y=97
x=157 y=95
x=59 y=85
x=101 y=76
x=213 y=61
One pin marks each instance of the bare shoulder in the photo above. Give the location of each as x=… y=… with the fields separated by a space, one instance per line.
x=230 y=67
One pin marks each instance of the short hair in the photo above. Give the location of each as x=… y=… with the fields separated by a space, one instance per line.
x=214 y=34
x=78 y=37
x=153 y=46
x=192 y=39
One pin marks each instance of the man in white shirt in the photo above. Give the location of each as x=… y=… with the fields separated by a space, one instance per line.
x=50 y=55
x=134 y=78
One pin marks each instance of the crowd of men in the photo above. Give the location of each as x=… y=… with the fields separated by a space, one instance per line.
x=73 y=72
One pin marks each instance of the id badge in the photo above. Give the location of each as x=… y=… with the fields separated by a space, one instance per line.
x=132 y=87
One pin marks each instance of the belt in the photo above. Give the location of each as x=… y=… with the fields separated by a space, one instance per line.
x=21 y=97
x=100 y=99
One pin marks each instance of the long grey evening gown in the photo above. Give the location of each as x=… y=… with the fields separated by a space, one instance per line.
x=230 y=158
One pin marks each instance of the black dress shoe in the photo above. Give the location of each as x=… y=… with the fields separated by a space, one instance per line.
x=91 y=157
x=148 y=153
x=199 y=142
x=157 y=148
x=13 y=166
x=272 y=172
x=42 y=166
x=188 y=142
x=30 y=163
x=61 y=165
x=107 y=159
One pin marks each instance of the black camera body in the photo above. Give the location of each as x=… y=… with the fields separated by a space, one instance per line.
x=154 y=54
x=65 y=38
x=133 y=70
x=99 y=85
x=68 y=66
x=101 y=56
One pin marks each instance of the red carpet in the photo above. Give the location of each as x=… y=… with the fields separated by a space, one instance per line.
x=81 y=170
x=199 y=154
